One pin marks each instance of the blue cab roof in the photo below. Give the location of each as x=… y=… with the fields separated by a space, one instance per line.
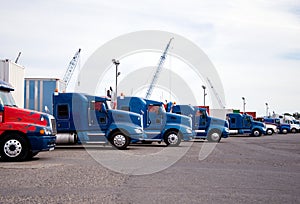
x=6 y=86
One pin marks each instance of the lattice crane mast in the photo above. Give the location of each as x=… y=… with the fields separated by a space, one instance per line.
x=71 y=68
x=158 y=70
x=216 y=94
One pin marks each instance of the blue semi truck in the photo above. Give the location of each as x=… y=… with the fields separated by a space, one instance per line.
x=283 y=128
x=83 y=118
x=204 y=126
x=158 y=124
x=244 y=123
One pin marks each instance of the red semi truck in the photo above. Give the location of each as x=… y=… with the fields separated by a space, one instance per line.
x=23 y=133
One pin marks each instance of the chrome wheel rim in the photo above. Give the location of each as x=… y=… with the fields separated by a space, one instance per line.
x=215 y=136
x=119 y=140
x=12 y=148
x=256 y=133
x=173 y=138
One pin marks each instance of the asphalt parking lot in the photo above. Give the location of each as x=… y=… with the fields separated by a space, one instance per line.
x=237 y=170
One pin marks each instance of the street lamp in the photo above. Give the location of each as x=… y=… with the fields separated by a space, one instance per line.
x=267 y=109
x=244 y=104
x=204 y=94
x=116 y=62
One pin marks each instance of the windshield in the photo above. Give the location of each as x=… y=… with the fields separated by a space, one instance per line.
x=6 y=98
x=108 y=104
x=162 y=108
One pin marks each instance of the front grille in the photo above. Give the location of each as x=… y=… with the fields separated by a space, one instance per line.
x=53 y=125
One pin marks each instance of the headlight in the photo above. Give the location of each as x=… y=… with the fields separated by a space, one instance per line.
x=188 y=130
x=138 y=131
x=45 y=131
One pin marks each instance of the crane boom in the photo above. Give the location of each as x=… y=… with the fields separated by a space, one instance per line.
x=71 y=68
x=216 y=94
x=158 y=70
x=16 y=61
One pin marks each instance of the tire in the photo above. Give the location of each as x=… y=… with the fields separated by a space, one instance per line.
x=293 y=130
x=270 y=131
x=214 y=136
x=14 y=148
x=119 y=140
x=284 y=131
x=31 y=155
x=172 y=138
x=256 y=133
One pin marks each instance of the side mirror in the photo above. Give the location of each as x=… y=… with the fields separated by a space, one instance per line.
x=103 y=108
x=47 y=109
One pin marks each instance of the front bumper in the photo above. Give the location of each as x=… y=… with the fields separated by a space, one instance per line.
x=42 y=143
x=187 y=134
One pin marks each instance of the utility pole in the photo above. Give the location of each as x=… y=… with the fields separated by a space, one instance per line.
x=204 y=94
x=117 y=63
x=267 y=109
x=244 y=104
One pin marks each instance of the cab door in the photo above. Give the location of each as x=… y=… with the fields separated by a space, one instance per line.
x=200 y=121
x=155 y=121
x=247 y=122
x=97 y=121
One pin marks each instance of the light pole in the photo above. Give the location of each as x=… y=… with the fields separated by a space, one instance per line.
x=116 y=62
x=244 y=104
x=267 y=109
x=204 y=94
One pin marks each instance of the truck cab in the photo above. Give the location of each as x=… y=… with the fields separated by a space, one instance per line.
x=244 y=123
x=87 y=119
x=283 y=128
x=292 y=122
x=204 y=126
x=158 y=124
x=23 y=133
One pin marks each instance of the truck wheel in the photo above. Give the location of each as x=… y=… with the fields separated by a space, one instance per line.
x=293 y=130
x=172 y=138
x=284 y=131
x=214 y=136
x=119 y=140
x=270 y=131
x=31 y=155
x=256 y=133
x=14 y=148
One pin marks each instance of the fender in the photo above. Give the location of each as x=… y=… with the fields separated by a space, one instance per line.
x=134 y=131
x=183 y=129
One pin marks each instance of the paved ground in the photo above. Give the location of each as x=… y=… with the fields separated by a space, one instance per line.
x=238 y=170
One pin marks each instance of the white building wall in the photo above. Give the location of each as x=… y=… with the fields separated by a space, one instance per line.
x=14 y=74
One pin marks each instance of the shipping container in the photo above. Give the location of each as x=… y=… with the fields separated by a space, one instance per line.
x=253 y=114
x=39 y=91
x=14 y=74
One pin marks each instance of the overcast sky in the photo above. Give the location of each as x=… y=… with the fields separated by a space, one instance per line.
x=254 y=45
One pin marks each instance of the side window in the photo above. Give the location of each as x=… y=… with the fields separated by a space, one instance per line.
x=153 y=109
x=125 y=108
x=98 y=106
x=232 y=120
x=199 y=113
x=63 y=111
